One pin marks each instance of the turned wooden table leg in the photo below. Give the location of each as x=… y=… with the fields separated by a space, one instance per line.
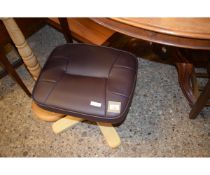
x=24 y=49
x=185 y=75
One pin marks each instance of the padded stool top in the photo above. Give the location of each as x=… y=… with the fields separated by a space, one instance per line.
x=92 y=82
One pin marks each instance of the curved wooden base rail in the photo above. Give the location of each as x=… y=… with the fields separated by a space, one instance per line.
x=23 y=48
x=62 y=122
x=186 y=77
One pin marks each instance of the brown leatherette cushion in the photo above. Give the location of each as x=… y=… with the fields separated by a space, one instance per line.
x=76 y=74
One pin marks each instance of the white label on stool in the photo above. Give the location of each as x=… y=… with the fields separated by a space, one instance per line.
x=114 y=106
x=96 y=104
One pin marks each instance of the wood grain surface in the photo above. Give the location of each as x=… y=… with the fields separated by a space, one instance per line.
x=185 y=27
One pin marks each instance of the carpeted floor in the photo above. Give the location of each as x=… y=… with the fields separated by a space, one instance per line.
x=157 y=124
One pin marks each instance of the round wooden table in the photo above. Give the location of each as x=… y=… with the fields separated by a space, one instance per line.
x=176 y=33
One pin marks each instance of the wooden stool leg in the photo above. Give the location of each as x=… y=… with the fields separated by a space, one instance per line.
x=44 y=114
x=201 y=102
x=64 y=123
x=110 y=134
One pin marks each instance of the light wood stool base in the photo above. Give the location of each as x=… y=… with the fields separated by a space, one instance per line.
x=63 y=122
x=44 y=114
x=110 y=134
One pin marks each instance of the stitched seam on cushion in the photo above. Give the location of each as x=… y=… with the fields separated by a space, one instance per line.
x=61 y=77
x=131 y=94
x=117 y=93
x=124 y=67
x=73 y=74
x=50 y=81
x=116 y=59
x=105 y=96
x=45 y=64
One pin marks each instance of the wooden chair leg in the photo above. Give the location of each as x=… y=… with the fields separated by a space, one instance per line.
x=110 y=134
x=24 y=49
x=201 y=101
x=44 y=114
x=11 y=71
x=64 y=123
x=66 y=29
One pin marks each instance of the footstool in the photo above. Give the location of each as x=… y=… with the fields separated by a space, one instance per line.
x=86 y=82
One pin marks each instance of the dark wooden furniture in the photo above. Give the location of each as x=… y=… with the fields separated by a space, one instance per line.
x=175 y=33
x=11 y=71
x=65 y=27
x=83 y=30
x=202 y=100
